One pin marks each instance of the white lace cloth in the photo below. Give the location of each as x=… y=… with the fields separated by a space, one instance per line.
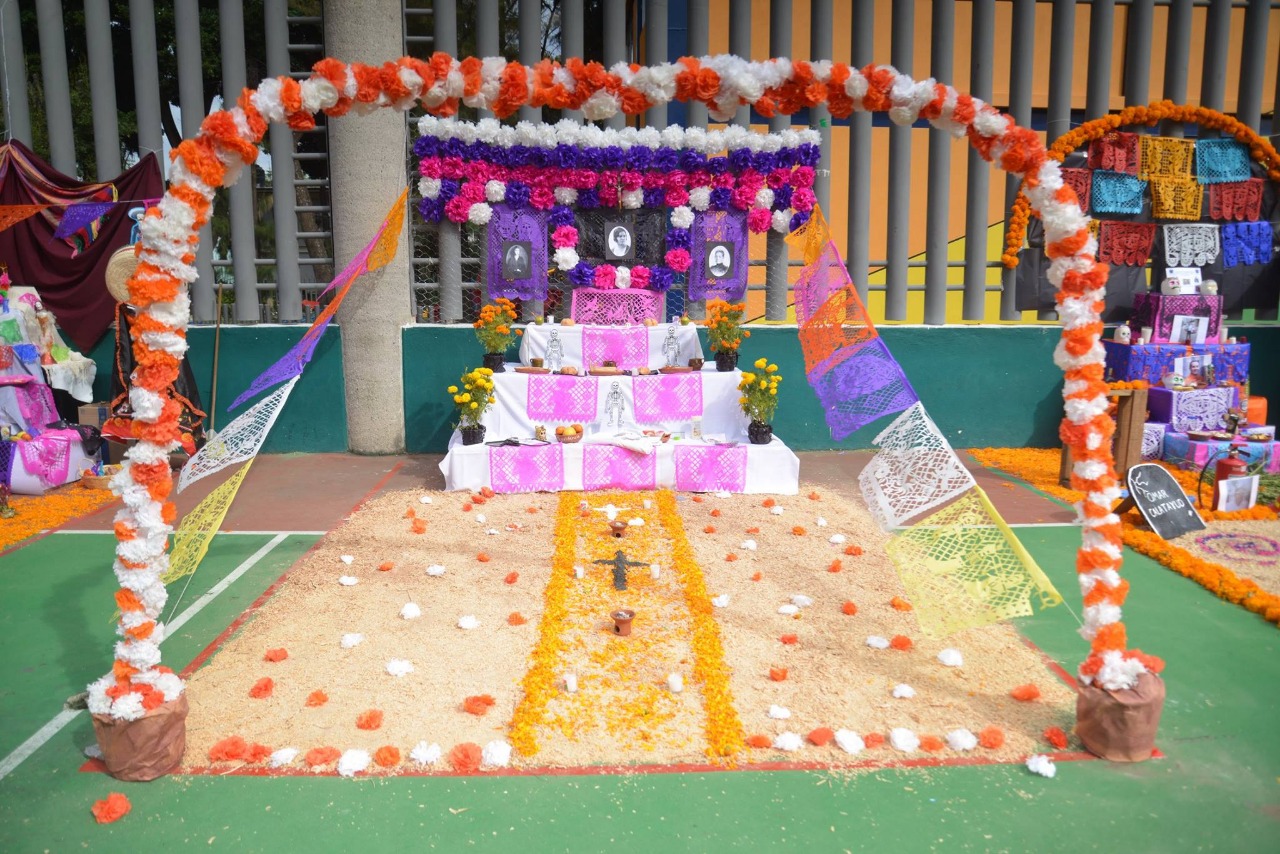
x=914 y=471
x=238 y=441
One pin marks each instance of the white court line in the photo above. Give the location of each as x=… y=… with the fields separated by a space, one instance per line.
x=220 y=533
x=64 y=717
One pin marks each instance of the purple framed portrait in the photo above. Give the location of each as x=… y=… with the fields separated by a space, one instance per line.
x=517 y=256
x=719 y=254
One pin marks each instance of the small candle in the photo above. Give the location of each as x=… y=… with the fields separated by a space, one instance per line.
x=578 y=572
x=571 y=683
x=647 y=504
x=654 y=570
x=676 y=683
x=551 y=318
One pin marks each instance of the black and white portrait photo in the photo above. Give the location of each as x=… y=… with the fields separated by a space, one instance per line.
x=719 y=263
x=619 y=242
x=516 y=260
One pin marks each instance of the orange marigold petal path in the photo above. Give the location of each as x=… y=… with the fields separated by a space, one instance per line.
x=33 y=514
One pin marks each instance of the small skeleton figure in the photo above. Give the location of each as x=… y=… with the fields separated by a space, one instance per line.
x=671 y=347
x=614 y=405
x=555 y=352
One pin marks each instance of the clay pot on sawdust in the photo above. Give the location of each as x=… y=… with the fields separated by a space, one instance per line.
x=1120 y=725
x=618 y=527
x=622 y=621
x=150 y=747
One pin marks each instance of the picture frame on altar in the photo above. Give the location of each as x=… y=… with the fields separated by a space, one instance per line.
x=1193 y=366
x=1189 y=279
x=619 y=240
x=1188 y=329
x=1237 y=493
x=719 y=260
x=517 y=260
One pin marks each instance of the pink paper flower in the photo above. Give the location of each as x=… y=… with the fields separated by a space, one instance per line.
x=779 y=178
x=430 y=167
x=743 y=198
x=631 y=180
x=640 y=277
x=802 y=200
x=679 y=260
x=759 y=220
x=653 y=180
x=676 y=196
x=565 y=235
x=802 y=176
x=606 y=276
x=725 y=179
x=457 y=209
x=609 y=195
x=472 y=191
x=542 y=198
x=454 y=168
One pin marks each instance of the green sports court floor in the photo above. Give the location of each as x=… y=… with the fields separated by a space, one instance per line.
x=1217 y=788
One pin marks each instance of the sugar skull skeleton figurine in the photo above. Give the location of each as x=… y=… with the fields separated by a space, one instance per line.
x=671 y=347
x=555 y=352
x=614 y=405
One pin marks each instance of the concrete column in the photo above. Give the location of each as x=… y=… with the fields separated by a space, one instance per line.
x=244 y=251
x=368 y=156
x=186 y=15
x=572 y=36
x=448 y=234
x=17 y=109
x=146 y=79
x=530 y=55
x=615 y=46
x=283 y=192
x=57 y=87
x=102 y=89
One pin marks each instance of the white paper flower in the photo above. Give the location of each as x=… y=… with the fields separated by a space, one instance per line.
x=749 y=545
x=398 y=667
x=764 y=198
x=492 y=532
x=903 y=739
x=636 y=522
x=429 y=187
x=480 y=213
x=435 y=570
x=837 y=539
x=352 y=640
x=700 y=198
x=348 y=559
x=480 y=518
x=496 y=754
x=903 y=691
x=779 y=713
x=1042 y=765
x=410 y=611
x=348 y=580
x=494 y=190
x=426 y=499
x=788 y=610
x=777 y=511
x=721 y=601
x=961 y=739
x=782 y=222
x=822 y=523
x=788 y=741
x=632 y=199
x=951 y=657
x=850 y=742
x=622 y=277
x=468 y=622
x=353 y=762
x=682 y=216
x=425 y=754
x=566 y=258
x=877 y=642
x=283 y=757
x=566 y=195
x=801 y=601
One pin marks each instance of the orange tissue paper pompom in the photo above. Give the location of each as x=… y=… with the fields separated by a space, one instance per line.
x=790 y=639
x=477 y=704
x=1025 y=693
x=386 y=566
x=516 y=619
x=836 y=566
x=512 y=577
x=531 y=509
x=483 y=557
x=371 y=719
x=317 y=756
x=279 y=654
x=821 y=736
x=317 y=698
x=257 y=753
x=710 y=529
x=387 y=756
x=799 y=531
x=931 y=743
x=697 y=499
x=231 y=749
x=848 y=609
x=731 y=557
x=411 y=513
x=1055 y=736
x=757 y=576
x=901 y=642
x=466 y=508
x=768 y=502
x=813 y=496
x=465 y=758
x=758 y=741
x=991 y=738
x=487 y=492
x=778 y=674
x=873 y=740
x=715 y=513
x=115 y=807
x=418 y=527
x=753 y=530
x=900 y=604
x=262 y=689
x=853 y=551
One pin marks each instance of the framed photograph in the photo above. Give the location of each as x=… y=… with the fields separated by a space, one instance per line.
x=1189 y=278
x=1188 y=329
x=719 y=260
x=619 y=241
x=1193 y=366
x=1237 y=493
x=517 y=260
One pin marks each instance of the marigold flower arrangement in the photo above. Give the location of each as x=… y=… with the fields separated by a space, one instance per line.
x=759 y=398
x=724 y=326
x=493 y=328
x=475 y=396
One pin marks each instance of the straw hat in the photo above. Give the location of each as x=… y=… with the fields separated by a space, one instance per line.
x=119 y=268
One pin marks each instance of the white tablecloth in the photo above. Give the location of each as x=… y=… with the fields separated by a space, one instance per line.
x=74 y=376
x=533 y=345
x=771 y=469
x=721 y=414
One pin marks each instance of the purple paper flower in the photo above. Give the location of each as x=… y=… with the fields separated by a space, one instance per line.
x=679 y=238
x=431 y=209
x=740 y=159
x=721 y=198
x=799 y=219
x=583 y=275
x=717 y=165
x=661 y=279
x=612 y=157
x=665 y=159
x=653 y=197
x=517 y=194
x=764 y=162
x=691 y=160
x=588 y=199
x=782 y=198
x=560 y=215
x=638 y=158
x=565 y=156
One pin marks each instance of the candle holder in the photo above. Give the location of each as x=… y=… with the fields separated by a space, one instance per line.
x=618 y=527
x=622 y=621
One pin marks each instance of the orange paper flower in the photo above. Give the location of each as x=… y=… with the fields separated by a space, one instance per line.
x=759 y=741
x=730 y=557
x=478 y=704
x=1055 y=736
x=482 y=557
x=789 y=639
x=901 y=642
x=991 y=738
x=813 y=496
x=836 y=566
x=276 y=654
x=778 y=674
x=848 y=609
x=768 y=502
x=853 y=551
x=317 y=698
x=873 y=740
x=715 y=513
x=387 y=756
x=262 y=689
x=515 y=618
x=465 y=758
x=799 y=531
x=511 y=577
x=115 y=807
x=757 y=576
x=931 y=743
x=231 y=749
x=710 y=529
x=900 y=604
x=418 y=526
x=1025 y=693
x=753 y=530
x=317 y=756
x=466 y=508
x=387 y=566
x=821 y=736
x=370 y=720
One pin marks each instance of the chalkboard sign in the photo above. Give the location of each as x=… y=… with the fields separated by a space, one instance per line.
x=1162 y=502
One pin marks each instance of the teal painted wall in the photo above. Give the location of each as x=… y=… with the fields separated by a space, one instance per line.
x=313 y=418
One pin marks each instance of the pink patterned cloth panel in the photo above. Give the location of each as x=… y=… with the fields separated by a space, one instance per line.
x=49 y=456
x=628 y=346
x=561 y=398
x=703 y=468
x=35 y=402
x=671 y=397
x=527 y=468
x=611 y=467
x=615 y=307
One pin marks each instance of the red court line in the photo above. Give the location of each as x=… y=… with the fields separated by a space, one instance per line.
x=239 y=621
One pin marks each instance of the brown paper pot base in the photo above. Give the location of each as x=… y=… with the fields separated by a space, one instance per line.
x=150 y=747
x=1120 y=725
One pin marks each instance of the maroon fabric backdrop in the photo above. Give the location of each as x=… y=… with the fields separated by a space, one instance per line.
x=74 y=289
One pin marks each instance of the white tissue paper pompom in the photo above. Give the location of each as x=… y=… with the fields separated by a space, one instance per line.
x=903 y=691
x=721 y=601
x=283 y=757
x=850 y=742
x=410 y=611
x=468 y=622
x=779 y=713
x=777 y=511
x=961 y=739
x=788 y=610
x=480 y=518
x=877 y=642
x=782 y=222
x=425 y=754
x=348 y=580
x=93 y=751
x=426 y=499
x=1042 y=765
x=495 y=191
x=480 y=213
x=348 y=560
x=566 y=195
x=353 y=762
x=764 y=198
x=492 y=532
x=951 y=657
x=903 y=739
x=749 y=545
x=566 y=258
x=496 y=754
x=700 y=198
x=788 y=741
x=398 y=667
x=435 y=570
x=723 y=493
x=636 y=522
x=352 y=639
x=837 y=539
x=682 y=216
x=632 y=199
x=800 y=600
x=822 y=523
